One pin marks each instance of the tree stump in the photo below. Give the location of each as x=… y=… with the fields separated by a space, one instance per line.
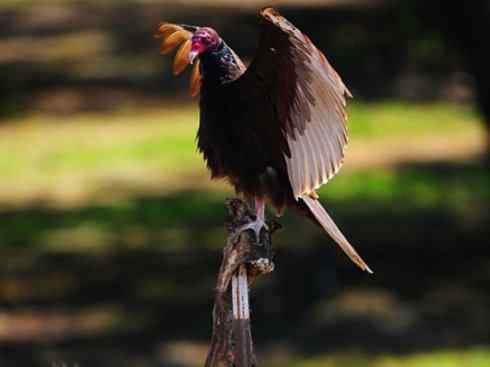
x=245 y=257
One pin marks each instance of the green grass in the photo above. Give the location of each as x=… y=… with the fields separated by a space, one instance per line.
x=423 y=187
x=474 y=357
x=55 y=155
x=146 y=219
x=394 y=119
x=401 y=215
x=144 y=170
x=43 y=151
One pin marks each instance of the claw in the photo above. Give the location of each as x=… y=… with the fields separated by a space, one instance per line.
x=256 y=226
x=264 y=265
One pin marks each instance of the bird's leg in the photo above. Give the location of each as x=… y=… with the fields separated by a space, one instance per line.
x=259 y=222
x=260 y=209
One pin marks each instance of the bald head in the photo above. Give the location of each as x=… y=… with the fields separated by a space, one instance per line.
x=204 y=40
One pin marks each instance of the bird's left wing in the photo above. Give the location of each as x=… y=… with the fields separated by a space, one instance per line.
x=307 y=98
x=173 y=36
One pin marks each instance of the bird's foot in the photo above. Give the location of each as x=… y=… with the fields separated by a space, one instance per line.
x=263 y=265
x=256 y=226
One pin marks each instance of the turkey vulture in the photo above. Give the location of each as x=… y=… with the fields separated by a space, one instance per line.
x=275 y=130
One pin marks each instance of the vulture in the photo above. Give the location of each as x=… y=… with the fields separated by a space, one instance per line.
x=275 y=130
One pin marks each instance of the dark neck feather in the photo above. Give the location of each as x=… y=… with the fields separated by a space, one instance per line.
x=220 y=66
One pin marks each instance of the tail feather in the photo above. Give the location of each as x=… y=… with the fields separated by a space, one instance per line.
x=331 y=228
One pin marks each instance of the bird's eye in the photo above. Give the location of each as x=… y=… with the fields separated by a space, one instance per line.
x=197 y=39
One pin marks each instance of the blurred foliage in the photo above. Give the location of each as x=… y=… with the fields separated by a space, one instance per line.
x=64 y=56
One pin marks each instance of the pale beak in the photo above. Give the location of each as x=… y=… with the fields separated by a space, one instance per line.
x=192 y=56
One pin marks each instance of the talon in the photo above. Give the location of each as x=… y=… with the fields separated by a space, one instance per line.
x=264 y=265
x=256 y=225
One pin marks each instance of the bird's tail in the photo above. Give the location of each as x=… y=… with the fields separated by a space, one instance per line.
x=331 y=228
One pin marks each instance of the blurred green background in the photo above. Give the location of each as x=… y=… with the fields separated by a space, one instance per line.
x=111 y=231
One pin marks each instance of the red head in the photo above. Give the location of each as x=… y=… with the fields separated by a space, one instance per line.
x=204 y=39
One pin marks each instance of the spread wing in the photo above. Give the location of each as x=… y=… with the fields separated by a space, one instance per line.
x=308 y=102
x=173 y=36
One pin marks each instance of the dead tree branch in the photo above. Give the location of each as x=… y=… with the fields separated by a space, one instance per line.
x=244 y=258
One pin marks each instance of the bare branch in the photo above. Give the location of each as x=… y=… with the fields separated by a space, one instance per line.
x=244 y=258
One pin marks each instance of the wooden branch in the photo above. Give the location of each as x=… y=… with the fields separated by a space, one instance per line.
x=241 y=333
x=244 y=258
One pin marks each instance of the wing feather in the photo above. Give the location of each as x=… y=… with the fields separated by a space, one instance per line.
x=173 y=36
x=316 y=120
x=331 y=228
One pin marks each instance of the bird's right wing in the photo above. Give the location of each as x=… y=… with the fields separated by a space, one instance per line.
x=307 y=98
x=293 y=99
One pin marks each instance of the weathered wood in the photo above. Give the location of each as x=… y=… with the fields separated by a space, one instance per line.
x=242 y=335
x=244 y=258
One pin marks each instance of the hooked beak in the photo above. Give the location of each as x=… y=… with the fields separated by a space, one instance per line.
x=193 y=54
x=197 y=48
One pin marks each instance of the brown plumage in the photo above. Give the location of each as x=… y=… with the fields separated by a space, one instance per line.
x=277 y=129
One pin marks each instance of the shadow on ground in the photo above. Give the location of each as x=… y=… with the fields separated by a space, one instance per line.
x=118 y=284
